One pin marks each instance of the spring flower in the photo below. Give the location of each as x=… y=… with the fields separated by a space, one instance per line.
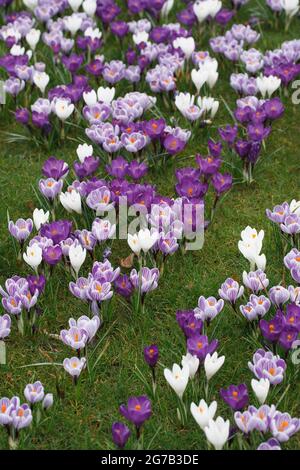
x=268 y=85
x=90 y=325
x=256 y=307
x=291 y=7
x=203 y=412
x=199 y=77
x=83 y=151
x=74 y=366
x=75 y=337
x=231 y=291
x=178 y=378
x=187 y=45
x=5 y=324
x=33 y=37
x=21 y=417
x=50 y=188
x=192 y=362
x=106 y=95
x=41 y=80
x=77 y=256
x=283 y=426
x=208 y=308
x=63 y=109
x=120 y=434
x=217 y=432
x=236 y=396
x=21 y=229
x=279 y=295
x=212 y=363
x=40 y=217
x=52 y=255
x=138 y=410
x=250 y=246
x=267 y=365
x=261 y=389
x=270 y=444
x=151 y=355
x=255 y=280
x=47 y=401
x=146 y=280
x=143 y=240
x=75 y=4
x=56 y=231
x=33 y=256
x=34 y=392
x=208 y=105
x=199 y=346
x=71 y=201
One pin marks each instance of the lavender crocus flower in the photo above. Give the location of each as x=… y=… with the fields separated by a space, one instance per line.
x=270 y=444
x=86 y=239
x=255 y=280
x=256 y=307
x=291 y=224
x=21 y=417
x=279 y=295
x=267 y=366
x=50 y=188
x=74 y=366
x=231 y=290
x=52 y=255
x=90 y=325
x=278 y=213
x=75 y=337
x=283 y=426
x=208 y=308
x=34 y=392
x=5 y=324
x=21 y=229
x=146 y=280
x=57 y=231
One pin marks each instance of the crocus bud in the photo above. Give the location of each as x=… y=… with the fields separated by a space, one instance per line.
x=48 y=401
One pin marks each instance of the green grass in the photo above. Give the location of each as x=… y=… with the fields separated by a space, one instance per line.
x=83 y=417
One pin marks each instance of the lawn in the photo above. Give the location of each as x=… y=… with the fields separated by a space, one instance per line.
x=81 y=416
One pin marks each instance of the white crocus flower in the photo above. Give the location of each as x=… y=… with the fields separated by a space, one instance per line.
x=17 y=50
x=147 y=239
x=89 y=7
x=187 y=45
x=250 y=246
x=134 y=243
x=73 y=23
x=83 y=151
x=268 y=85
x=199 y=77
x=291 y=7
x=33 y=37
x=208 y=105
x=90 y=97
x=63 y=108
x=167 y=7
x=75 y=4
x=192 y=362
x=33 y=256
x=295 y=206
x=41 y=80
x=261 y=389
x=212 y=364
x=40 y=217
x=31 y=4
x=184 y=101
x=140 y=36
x=177 y=378
x=77 y=256
x=106 y=94
x=217 y=432
x=206 y=8
x=71 y=201
x=203 y=412
x=93 y=33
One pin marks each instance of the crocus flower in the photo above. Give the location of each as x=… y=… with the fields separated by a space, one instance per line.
x=283 y=426
x=55 y=168
x=267 y=365
x=231 y=290
x=50 y=188
x=208 y=308
x=40 y=217
x=90 y=325
x=5 y=324
x=270 y=444
x=34 y=392
x=75 y=337
x=217 y=432
x=221 y=182
x=74 y=366
x=257 y=306
x=199 y=346
x=120 y=434
x=21 y=229
x=255 y=280
x=147 y=280
x=52 y=254
x=21 y=417
x=212 y=363
x=151 y=355
x=123 y=286
x=77 y=256
x=261 y=389
x=178 y=378
x=138 y=410
x=192 y=362
x=47 y=401
x=279 y=295
x=57 y=231
x=71 y=201
x=203 y=412
x=33 y=256
x=236 y=396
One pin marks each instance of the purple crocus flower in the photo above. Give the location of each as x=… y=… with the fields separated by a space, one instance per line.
x=221 y=182
x=137 y=170
x=34 y=392
x=173 y=144
x=199 y=346
x=21 y=229
x=267 y=366
x=271 y=330
x=154 y=128
x=22 y=115
x=228 y=133
x=151 y=355
x=231 y=290
x=209 y=165
x=236 y=396
x=118 y=167
x=191 y=188
x=57 y=231
x=288 y=335
x=283 y=426
x=120 y=434
x=52 y=255
x=123 y=286
x=138 y=410
x=55 y=168
x=36 y=283
x=273 y=108
x=257 y=132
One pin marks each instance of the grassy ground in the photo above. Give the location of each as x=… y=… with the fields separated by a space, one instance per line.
x=82 y=419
